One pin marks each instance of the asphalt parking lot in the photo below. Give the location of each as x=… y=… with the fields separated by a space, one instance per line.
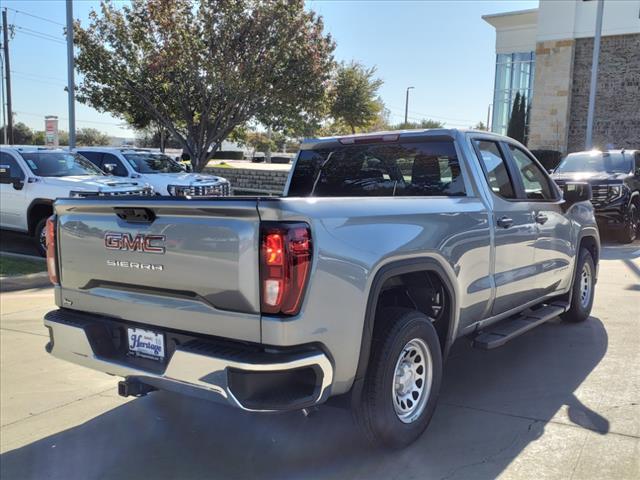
x=560 y=402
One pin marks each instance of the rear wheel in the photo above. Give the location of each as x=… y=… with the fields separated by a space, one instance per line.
x=630 y=230
x=403 y=378
x=583 y=289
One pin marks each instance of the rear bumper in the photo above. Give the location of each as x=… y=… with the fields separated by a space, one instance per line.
x=246 y=376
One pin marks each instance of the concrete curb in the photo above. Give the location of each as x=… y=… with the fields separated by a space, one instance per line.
x=23 y=256
x=24 y=282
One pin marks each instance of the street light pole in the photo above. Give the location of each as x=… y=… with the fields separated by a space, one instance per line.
x=406 y=107
x=70 y=80
x=588 y=144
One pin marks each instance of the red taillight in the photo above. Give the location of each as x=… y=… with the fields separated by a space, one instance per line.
x=285 y=262
x=52 y=266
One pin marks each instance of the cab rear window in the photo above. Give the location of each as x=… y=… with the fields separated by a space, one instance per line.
x=379 y=170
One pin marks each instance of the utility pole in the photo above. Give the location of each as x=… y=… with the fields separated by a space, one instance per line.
x=4 y=118
x=588 y=144
x=406 y=107
x=489 y=117
x=7 y=68
x=70 y=81
x=267 y=153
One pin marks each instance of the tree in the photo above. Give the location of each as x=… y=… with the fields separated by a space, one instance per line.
x=22 y=134
x=480 y=126
x=355 y=100
x=260 y=142
x=90 y=136
x=515 y=129
x=424 y=123
x=39 y=137
x=201 y=69
x=527 y=117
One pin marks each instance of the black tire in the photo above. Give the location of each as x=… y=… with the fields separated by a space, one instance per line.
x=375 y=413
x=629 y=231
x=38 y=235
x=580 y=308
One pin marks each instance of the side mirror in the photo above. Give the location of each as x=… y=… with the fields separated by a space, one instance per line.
x=7 y=178
x=574 y=192
x=109 y=168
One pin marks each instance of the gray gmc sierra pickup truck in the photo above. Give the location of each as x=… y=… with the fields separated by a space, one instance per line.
x=384 y=249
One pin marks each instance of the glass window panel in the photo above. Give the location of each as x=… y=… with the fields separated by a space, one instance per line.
x=495 y=169
x=514 y=73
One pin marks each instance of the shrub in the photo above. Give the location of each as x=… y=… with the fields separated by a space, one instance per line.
x=228 y=155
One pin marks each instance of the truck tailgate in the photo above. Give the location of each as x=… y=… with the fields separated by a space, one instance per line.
x=148 y=260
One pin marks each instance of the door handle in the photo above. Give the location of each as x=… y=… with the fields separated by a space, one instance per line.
x=541 y=218
x=505 y=222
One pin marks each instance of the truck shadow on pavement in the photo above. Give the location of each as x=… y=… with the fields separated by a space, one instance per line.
x=493 y=404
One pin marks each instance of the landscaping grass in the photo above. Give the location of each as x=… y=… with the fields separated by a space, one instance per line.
x=10 y=266
x=222 y=164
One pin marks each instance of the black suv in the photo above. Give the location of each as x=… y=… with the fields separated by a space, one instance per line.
x=614 y=176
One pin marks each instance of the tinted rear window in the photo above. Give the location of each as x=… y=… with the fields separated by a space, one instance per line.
x=378 y=170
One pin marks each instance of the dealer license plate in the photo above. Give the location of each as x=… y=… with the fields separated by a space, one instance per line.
x=146 y=343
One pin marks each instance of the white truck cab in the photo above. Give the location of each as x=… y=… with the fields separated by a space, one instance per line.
x=32 y=178
x=164 y=174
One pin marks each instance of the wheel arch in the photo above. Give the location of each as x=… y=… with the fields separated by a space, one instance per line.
x=38 y=208
x=591 y=241
x=394 y=269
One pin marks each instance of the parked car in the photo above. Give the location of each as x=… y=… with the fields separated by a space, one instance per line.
x=384 y=250
x=32 y=178
x=167 y=176
x=614 y=176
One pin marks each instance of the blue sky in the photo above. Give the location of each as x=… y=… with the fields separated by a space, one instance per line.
x=442 y=48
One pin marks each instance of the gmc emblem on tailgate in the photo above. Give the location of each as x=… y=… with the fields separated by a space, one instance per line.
x=139 y=243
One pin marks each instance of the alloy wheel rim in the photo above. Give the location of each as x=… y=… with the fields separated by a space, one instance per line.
x=634 y=222
x=585 y=285
x=43 y=239
x=413 y=376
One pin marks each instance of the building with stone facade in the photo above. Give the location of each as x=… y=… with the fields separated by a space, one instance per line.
x=545 y=54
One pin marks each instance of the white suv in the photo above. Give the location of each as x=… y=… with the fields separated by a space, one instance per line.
x=164 y=174
x=32 y=178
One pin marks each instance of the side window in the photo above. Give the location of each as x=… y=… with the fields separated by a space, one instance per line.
x=495 y=168
x=93 y=157
x=119 y=170
x=637 y=164
x=536 y=182
x=16 y=171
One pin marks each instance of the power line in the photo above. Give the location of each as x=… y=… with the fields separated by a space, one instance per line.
x=37 y=75
x=35 y=16
x=31 y=114
x=40 y=36
x=433 y=116
x=38 y=32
